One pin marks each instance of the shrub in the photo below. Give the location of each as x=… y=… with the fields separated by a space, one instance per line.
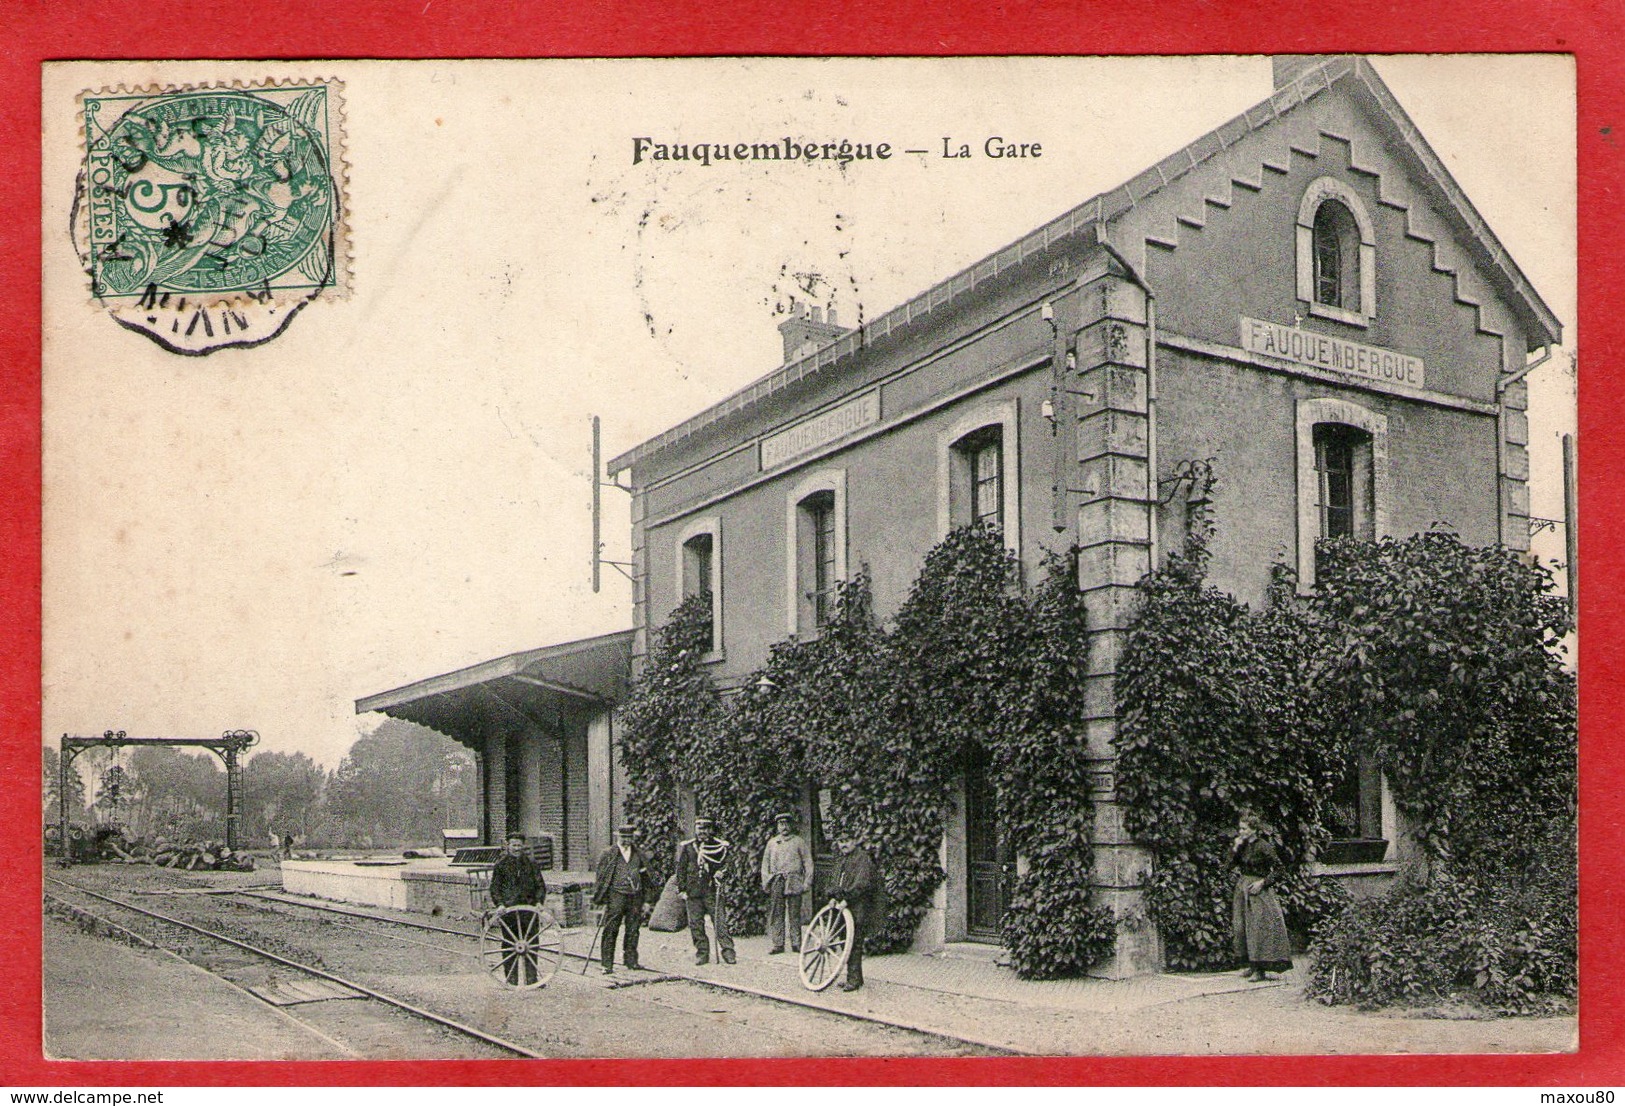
x=1505 y=940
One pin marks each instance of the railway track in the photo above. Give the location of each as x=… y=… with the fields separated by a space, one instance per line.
x=590 y=958
x=385 y=927
x=487 y=1043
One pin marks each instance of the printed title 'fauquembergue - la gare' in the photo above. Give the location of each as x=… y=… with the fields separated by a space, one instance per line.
x=790 y=149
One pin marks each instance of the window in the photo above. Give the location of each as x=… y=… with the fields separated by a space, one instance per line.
x=1342 y=476
x=1342 y=492
x=985 y=467
x=977 y=479
x=698 y=569
x=816 y=550
x=1337 y=254
x=697 y=565
x=1355 y=810
x=820 y=512
x=1337 y=257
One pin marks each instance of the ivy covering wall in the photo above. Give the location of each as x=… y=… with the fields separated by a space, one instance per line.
x=884 y=719
x=1219 y=714
x=1439 y=662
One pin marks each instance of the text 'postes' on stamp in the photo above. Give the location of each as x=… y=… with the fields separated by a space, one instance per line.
x=206 y=217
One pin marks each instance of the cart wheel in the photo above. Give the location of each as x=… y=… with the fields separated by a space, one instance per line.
x=825 y=947
x=521 y=946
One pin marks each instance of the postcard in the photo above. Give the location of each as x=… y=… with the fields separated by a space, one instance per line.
x=846 y=557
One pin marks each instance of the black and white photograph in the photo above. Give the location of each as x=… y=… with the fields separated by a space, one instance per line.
x=809 y=557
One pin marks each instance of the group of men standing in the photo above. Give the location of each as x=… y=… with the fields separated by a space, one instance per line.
x=624 y=889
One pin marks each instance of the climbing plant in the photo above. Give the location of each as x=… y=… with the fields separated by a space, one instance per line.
x=1042 y=777
x=883 y=721
x=1217 y=714
x=1434 y=659
x=670 y=711
x=742 y=772
x=1446 y=660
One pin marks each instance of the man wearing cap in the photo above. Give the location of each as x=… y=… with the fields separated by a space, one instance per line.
x=516 y=880
x=621 y=889
x=700 y=875
x=787 y=869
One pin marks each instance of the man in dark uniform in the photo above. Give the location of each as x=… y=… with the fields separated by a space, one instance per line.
x=856 y=887
x=516 y=881
x=700 y=863
x=621 y=889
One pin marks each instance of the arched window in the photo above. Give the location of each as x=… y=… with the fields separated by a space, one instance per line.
x=1337 y=254
x=1337 y=257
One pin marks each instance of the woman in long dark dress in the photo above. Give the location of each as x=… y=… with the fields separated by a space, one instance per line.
x=1257 y=924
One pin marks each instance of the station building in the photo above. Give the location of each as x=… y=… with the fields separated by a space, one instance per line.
x=1304 y=296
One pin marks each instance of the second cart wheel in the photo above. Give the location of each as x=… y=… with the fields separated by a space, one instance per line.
x=825 y=947
x=521 y=946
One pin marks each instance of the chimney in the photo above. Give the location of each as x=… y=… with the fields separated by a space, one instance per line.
x=804 y=332
x=1289 y=67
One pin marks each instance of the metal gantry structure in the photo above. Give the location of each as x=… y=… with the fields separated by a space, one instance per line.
x=229 y=747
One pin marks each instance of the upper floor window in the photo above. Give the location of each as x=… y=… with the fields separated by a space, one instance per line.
x=1337 y=257
x=1343 y=480
x=1337 y=254
x=977 y=480
x=698 y=568
x=820 y=512
x=816 y=544
x=984 y=468
x=1343 y=471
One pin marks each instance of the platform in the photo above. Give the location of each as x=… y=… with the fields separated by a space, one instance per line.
x=429 y=885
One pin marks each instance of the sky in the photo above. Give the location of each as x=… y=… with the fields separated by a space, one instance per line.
x=398 y=486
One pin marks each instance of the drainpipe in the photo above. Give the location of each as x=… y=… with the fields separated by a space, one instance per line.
x=1501 y=386
x=1512 y=378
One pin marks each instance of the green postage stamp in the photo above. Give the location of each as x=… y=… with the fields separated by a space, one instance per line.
x=209 y=216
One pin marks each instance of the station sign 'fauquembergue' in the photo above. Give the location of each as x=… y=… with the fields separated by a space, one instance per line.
x=804 y=437
x=1325 y=351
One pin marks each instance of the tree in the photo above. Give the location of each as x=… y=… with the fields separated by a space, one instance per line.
x=379 y=790
x=281 y=792
x=50 y=788
x=178 y=794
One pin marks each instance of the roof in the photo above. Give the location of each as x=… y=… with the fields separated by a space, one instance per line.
x=519 y=689
x=1100 y=211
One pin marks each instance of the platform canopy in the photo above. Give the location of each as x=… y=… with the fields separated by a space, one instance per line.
x=496 y=696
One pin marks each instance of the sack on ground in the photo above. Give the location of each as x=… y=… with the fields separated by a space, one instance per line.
x=669 y=914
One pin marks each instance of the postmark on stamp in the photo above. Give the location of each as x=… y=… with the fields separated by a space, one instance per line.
x=208 y=217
